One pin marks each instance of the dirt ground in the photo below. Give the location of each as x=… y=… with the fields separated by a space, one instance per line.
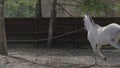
x=58 y=58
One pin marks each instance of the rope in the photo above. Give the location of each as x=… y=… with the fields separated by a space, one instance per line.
x=58 y=36
x=61 y=35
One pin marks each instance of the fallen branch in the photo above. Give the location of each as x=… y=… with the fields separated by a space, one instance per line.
x=77 y=1
x=65 y=10
x=67 y=4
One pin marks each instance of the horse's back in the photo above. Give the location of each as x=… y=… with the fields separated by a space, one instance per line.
x=112 y=30
x=112 y=27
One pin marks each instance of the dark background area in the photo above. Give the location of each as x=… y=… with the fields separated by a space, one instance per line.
x=27 y=32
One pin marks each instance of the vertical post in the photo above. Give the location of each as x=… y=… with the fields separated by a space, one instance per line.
x=3 y=43
x=52 y=20
x=38 y=13
x=38 y=8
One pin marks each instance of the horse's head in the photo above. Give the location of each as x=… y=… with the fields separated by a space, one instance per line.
x=86 y=20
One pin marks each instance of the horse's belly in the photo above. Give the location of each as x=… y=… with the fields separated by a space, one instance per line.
x=102 y=40
x=104 y=43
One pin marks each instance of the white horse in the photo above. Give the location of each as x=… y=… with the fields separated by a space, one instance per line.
x=99 y=36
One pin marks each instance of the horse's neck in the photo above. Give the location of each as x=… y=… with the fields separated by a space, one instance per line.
x=93 y=26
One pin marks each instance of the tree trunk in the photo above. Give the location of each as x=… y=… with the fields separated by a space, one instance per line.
x=3 y=43
x=52 y=20
x=38 y=9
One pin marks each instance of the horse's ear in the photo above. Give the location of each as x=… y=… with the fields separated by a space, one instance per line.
x=87 y=13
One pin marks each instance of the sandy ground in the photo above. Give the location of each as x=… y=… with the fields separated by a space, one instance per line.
x=58 y=58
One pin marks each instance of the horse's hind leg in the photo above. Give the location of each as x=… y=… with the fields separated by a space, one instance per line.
x=115 y=43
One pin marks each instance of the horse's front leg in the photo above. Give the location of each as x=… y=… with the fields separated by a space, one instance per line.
x=99 y=52
x=94 y=47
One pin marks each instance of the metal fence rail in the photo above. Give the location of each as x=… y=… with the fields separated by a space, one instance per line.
x=31 y=30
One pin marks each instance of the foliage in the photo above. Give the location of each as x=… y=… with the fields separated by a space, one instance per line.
x=94 y=7
x=26 y=8
x=20 y=8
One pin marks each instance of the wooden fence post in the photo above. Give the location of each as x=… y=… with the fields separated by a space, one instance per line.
x=3 y=42
x=52 y=20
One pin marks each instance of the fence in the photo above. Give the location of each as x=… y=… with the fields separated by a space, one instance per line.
x=31 y=30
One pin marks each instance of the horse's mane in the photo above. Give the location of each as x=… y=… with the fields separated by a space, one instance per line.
x=93 y=21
